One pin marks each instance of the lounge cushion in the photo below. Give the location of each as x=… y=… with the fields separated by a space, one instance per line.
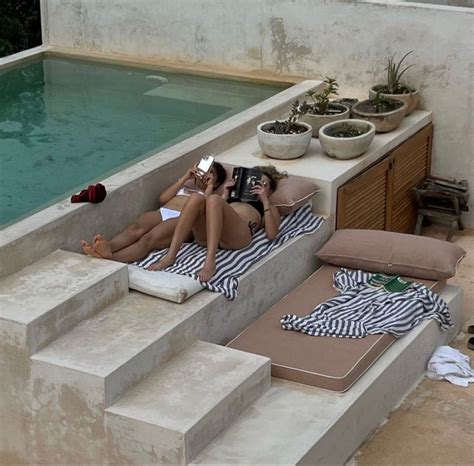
x=325 y=362
x=291 y=193
x=392 y=253
x=165 y=285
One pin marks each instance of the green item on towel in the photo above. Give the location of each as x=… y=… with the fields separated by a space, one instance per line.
x=390 y=283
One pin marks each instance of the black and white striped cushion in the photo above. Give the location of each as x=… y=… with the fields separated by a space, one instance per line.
x=231 y=264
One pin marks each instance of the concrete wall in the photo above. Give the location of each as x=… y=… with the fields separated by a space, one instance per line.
x=349 y=40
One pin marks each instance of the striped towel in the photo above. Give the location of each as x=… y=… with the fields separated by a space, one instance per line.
x=231 y=264
x=361 y=310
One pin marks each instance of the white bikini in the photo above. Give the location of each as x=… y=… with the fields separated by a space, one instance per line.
x=166 y=213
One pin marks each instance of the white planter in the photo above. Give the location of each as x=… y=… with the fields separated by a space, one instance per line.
x=318 y=121
x=284 y=146
x=410 y=99
x=346 y=148
x=385 y=121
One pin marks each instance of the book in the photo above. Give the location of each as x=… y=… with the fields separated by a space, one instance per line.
x=245 y=179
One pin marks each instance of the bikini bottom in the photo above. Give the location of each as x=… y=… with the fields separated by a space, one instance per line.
x=166 y=214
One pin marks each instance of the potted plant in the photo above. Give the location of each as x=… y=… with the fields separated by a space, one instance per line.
x=386 y=114
x=346 y=139
x=287 y=139
x=322 y=111
x=394 y=88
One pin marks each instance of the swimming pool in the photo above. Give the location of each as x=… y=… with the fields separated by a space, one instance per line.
x=66 y=123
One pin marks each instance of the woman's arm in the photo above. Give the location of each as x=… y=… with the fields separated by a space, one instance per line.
x=271 y=216
x=271 y=221
x=172 y=190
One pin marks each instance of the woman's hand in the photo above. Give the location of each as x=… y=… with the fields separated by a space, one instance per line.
x=190 y=174
x=261 y=192
x=227 y=186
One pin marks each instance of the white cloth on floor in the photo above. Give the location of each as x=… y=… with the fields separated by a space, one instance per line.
x=450 y=364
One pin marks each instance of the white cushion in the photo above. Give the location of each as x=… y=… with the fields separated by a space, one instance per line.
x=165 y=285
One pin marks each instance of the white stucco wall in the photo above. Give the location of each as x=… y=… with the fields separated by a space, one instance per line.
x=349 y=40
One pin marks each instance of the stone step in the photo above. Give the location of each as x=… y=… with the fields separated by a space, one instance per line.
x=180 y=408
x=298 y=424
x=117 y=348
x=50 y=296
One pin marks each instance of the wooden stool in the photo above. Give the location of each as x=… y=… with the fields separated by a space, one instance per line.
x=447 y=211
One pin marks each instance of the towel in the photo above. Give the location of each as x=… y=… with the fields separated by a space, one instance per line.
x=232 y=264
x=450 y=364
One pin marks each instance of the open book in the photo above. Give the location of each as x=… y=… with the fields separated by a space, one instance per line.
x=245 y=179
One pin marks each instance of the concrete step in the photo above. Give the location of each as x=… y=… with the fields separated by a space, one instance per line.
x=117 y=348
x=307 y=425
x=180 y=408
x=47 y=298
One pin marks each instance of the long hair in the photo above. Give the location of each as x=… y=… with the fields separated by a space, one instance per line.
x=273 y=174
x=221 y=174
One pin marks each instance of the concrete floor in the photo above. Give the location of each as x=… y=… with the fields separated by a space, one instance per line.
x=435 y=422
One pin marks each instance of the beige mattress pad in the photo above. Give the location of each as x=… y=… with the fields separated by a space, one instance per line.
x=331 y=363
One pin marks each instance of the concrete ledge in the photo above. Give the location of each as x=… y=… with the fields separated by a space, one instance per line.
x=173 y=421
x=326 y=172
x=49 y=297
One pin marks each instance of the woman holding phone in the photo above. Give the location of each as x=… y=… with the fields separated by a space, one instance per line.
x=154 y=230
x=219 y=222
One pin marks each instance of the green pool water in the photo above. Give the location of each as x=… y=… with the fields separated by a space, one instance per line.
x=65 y=124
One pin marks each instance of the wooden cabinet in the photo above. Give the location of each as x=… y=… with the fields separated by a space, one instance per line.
x=381 y=197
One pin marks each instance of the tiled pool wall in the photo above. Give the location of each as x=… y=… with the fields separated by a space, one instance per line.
x=348 y=40
x=131 y=191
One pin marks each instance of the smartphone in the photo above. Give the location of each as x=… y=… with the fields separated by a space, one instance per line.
x=204 y=165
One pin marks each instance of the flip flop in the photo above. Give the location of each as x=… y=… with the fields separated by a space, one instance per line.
x=470 y=343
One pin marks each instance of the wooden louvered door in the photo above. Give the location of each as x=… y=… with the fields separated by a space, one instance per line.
x=362 y=202
x=410 y=166
x=381 y=198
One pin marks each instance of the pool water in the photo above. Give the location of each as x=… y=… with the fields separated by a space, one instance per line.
x=65 y=124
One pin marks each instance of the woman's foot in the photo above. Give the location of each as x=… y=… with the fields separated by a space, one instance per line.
x=102 y=246
x=89 y=250
x=166 y=261
x=208 y=271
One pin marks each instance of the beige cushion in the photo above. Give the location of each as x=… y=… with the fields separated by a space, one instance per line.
x=325 y=362
x=392 y=253
x=291 y=193
x=164 y=285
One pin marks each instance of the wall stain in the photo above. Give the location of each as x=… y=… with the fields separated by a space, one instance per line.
x=283 y=48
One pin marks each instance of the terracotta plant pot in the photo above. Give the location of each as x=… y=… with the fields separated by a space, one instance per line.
x=410 y=99
x=345 y=148
x=383 y=121
x=284 y=146
x=317 y=121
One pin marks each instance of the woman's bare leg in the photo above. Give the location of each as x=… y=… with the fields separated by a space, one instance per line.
x=158 y=237
x=129 y=236
x=192 y=209
x=225 y=228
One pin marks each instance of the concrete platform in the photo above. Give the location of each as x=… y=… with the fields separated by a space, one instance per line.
x=76 y=377
x=179 y=409
x=327 y=172
x=47 y=298
x=306 y=425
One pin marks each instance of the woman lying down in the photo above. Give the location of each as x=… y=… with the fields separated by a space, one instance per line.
x=223 y=222
x=211 y=220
